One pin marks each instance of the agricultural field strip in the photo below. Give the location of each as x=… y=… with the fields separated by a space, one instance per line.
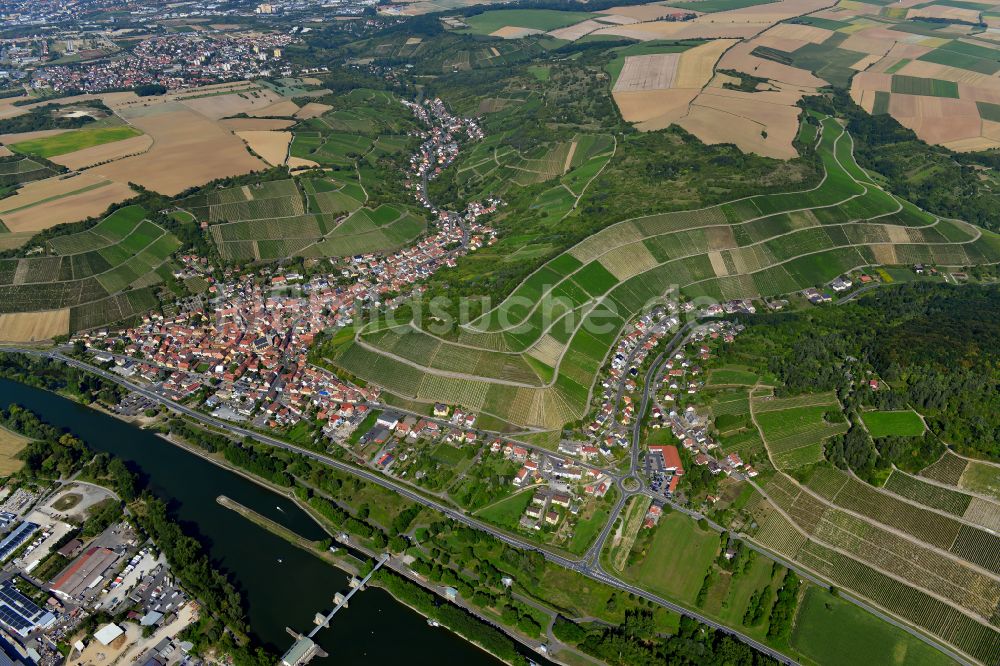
x=613 y=245
x=970 y=494
x=808 y=536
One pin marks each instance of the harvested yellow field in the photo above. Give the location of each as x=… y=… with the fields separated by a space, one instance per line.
x=312 y=110
x=189 y=149
x=284 y=108
x=11 y=443
x=514 y=32
x=861 y=43
x=650 y=12
x=46 y=203
x=648 y=72
x=33 y=326
x=654 y=91
x=739 y=58
x=803 y=33
x=5 y=151
x=762 y=123
x=255 y=124
x=271 y=146
x=106 y=152
x=681 y=30
x=576 y=31
x=654 y=109
x=866 y=62
x=301 y=163
x=617 y=19
x=410 y=41
x=9 y=241
x=697 y=65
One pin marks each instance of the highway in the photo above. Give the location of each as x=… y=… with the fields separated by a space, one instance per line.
x=580 y=566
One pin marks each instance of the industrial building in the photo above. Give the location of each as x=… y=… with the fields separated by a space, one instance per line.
x=85 y=572
x=19 y=613
x=18 y=536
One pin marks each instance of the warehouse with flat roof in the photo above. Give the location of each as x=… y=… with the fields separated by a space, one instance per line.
x=83 y=573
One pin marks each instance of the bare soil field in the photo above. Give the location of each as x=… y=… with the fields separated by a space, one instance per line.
x=221 y=106
x=681 y=30
x=115 y=150
x=805 y=33
x=937 y=119
x=255 y=124
x=513 y=32
x=271 y=146
x=188 y=150
x=33 y=327
x=862 y=43
x=312 y=110
x=866 y=62
x=5 y=151
x=284 y=108
x=944 y=12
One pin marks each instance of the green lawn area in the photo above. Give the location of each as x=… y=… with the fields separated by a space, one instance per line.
x=538 y=19
x=540 y=72
x=981 y=478
x=901 y=424
x=508 y=512
x=69 y=142
x=677 y=558
x=710 y=6
x=732 y=375
x=835 y=632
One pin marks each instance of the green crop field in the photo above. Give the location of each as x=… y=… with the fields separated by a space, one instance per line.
x=912 y=85
x=835 y=632
x=905 y=423
x=68 y=142
x=605 y=279
x=711 y=6
x=536 y=19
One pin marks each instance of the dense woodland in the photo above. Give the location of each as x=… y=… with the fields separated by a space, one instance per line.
x=931 y=345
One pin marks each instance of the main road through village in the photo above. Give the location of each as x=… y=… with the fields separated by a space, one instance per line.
x=581 y=566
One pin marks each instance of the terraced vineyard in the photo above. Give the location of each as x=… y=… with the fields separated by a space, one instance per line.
x=326 y=218
x=562 y=320
x=103 y=275
x=795 y=428
x=928 y=568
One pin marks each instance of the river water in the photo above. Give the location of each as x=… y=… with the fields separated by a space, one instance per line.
x=283 y=586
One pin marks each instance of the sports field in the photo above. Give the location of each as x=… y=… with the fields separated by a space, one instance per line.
x=906 y=423
x=69 y=142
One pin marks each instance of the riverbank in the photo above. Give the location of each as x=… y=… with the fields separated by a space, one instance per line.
x=394 y=563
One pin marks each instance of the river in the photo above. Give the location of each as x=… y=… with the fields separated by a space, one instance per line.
x=282 y=585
